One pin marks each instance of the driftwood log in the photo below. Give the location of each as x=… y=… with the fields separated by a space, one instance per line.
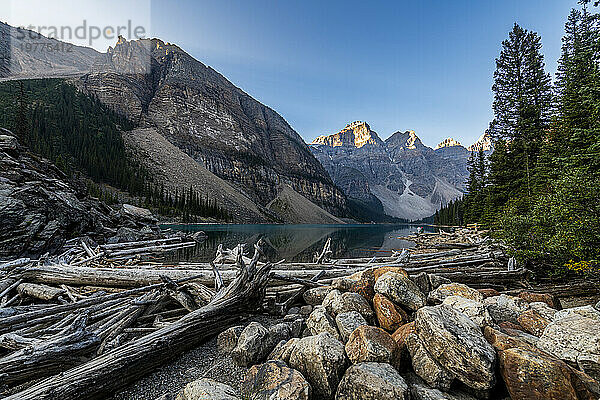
x=113 y=370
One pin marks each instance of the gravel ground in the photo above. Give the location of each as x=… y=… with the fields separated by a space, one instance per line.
x=203 y=362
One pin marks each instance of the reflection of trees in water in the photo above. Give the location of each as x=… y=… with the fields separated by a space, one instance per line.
x=294 y=243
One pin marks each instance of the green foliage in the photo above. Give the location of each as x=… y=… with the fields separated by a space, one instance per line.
x=451 y=214
x=541 y=194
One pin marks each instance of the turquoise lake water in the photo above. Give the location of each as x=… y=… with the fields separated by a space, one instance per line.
x=298 y=242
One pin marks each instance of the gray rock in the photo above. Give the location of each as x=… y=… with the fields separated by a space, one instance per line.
x=425 y=366
x=597 y=306
x=293 y=311
x=336 y=303
x=458 y=345
x=273 y=380
x=306 y=310
x=423 y=392
x=347 y=322
x=228 y=339
x=475 y=310
x=370 y=381
x=277 y=333
x=401 y=290
x=320 y=321
x=207 y=389
x=453 y=289
x=342 y=284
x=436 y=281
x=584 y=311
x=315 y=296
x=575 y=339
x=137 y=213
x=422 y=282
x=250 y=349
x=322 y=360
x=284 y=350
x=505 y=308
x=296 y=327
x=40 y=208
x=543 y=309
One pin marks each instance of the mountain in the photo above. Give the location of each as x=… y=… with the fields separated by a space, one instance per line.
x=194 y=128
x=484 y=142
x=197 y=110
x=408 y=179
x=25 y=54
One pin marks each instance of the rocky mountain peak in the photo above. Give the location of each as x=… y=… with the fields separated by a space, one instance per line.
x=356 y=134
x=483 y=143
x=448 y=142
x=407 y=140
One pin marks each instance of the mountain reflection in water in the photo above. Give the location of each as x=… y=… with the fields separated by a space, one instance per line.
x=297 y=242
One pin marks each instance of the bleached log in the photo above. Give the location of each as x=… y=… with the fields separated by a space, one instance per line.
x=48 y=357
x=104 y=375
x=42 y=292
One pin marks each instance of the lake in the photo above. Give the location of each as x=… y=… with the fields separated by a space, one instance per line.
x=298 y=242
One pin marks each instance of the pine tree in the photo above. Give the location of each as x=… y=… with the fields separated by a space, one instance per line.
x=522 y=106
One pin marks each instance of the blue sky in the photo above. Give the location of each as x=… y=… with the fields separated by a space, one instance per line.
x=421 y=65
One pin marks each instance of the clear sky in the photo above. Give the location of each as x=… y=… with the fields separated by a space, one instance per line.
x=421 y=65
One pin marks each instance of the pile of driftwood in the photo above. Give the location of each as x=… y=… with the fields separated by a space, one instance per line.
x=91 y=320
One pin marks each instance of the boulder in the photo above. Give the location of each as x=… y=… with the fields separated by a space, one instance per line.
x=320 y=321
x=544 y=310
x=505 y=308
x=425 y=365
x=277 y=333
x=575 y=339
x=273 y=380
x=336 y=303
x=435 y=281
x=597 y=306
x=388 y=315
x=533 y=322
x=372 y=381
x=402 y=333
x=137 y=213
x=249 y=349
x=584 y=311
x=401 y=290
x=315 y=296
x=228 y=339
x=420 y=391
x=322 y=360
x=488 y=292
x=475 y=310
x=457 y=344
x=365 y=286
x=372 y=344
x=547 y=298
x=206 y=389
x=283 y=350
x=306 y=310
x=422 y=282
x=342 y=284
x=379 y=271
x=347 y=322
x=296 y=327
x=530 y=373
x=453 y=289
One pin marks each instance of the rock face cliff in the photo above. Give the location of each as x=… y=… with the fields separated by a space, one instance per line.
x=40 y=209
x=409 y=179
x=195 y=108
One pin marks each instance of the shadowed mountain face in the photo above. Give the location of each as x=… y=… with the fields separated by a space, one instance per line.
x=410 y=179
x=207 y=117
